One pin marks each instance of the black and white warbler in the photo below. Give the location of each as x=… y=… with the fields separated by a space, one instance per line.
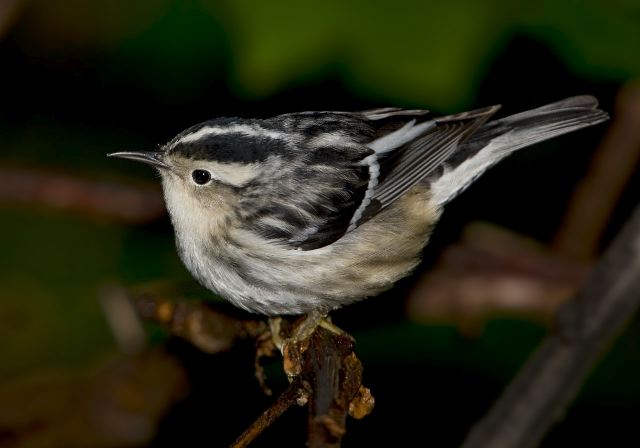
x=310 y=211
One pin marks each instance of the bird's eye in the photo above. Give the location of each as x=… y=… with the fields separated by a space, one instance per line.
x=201 y=177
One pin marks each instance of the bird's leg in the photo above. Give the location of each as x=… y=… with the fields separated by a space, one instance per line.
x=303 y=330
x=275 y=325
x=311 y=322
x=295 y=345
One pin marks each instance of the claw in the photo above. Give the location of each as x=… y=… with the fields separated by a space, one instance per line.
x=293 y=347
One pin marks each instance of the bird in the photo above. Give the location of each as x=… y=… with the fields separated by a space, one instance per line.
x=307 y=212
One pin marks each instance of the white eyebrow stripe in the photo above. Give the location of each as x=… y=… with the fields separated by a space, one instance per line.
x=251 y=131
x=235 y=174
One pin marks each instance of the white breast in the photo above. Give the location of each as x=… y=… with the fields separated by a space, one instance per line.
x=261 y=276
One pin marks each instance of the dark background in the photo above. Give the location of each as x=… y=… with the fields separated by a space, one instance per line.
x=79 y=79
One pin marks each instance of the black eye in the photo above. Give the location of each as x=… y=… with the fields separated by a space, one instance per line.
x=201 y=177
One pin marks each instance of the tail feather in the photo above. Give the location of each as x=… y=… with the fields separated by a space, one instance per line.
x=499 y=138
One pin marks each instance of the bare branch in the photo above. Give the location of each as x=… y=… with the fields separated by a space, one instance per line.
x=335 y=377
x=597 y=194
x=284 y=402
x=208 y=329
x=540 y=393
x=132 y=204
x=325 y=372
x=494 y=271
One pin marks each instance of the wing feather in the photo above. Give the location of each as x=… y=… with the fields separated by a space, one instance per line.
x=410 y=153
x=374 y=157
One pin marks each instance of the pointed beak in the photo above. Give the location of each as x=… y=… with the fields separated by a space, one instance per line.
x=149 y=157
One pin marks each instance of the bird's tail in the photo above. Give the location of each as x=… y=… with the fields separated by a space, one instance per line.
x=499 y=138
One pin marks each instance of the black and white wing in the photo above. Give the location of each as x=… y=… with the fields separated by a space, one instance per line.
x=354 y=165
x=452 y=151
x=380 y=154
x=499 y=138
x=410 y=153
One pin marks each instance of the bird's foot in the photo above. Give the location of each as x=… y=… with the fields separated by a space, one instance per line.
x=294 y=343
x=302 y=329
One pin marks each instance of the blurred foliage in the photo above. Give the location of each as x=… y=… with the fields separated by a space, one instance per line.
x=49 y=313
x=83 y=78
x=417 y=52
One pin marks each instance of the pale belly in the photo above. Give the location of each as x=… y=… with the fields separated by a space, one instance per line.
x=258 y=276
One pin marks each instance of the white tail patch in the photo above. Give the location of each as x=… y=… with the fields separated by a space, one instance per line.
x=455 y=181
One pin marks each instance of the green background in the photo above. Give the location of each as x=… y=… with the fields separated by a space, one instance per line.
x=80 y=79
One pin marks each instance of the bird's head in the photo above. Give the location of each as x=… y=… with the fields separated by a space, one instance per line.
x=206 y=169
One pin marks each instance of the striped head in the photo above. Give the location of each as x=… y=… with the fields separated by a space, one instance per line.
x=303 y=180
x=280 y=177
x=206 y=168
